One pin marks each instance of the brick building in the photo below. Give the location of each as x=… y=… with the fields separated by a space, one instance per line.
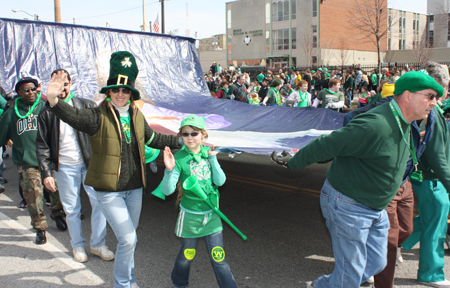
x=280 y=33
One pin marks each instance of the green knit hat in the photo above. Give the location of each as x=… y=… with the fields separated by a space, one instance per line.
x=325 y=69
x=414 y=81
x=123 y=72
x=193 y=120
x=320 y=69
x=312 y=71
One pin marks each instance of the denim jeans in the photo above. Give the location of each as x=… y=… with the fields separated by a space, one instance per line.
x=180 y=272
x=348 y=95
x=122 y=211
x=358 y=236
x=70 y=178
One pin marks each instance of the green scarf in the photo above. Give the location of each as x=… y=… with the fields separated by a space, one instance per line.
x=330 y=91
x=277 y=93
x=198 y=157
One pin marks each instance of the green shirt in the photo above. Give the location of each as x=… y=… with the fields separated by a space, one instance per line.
x=274 y=96
x=371 y=149
x=375 y=98
x=303 y=99
x=329 y=97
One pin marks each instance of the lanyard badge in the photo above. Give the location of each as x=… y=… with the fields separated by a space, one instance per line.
x=417 y=174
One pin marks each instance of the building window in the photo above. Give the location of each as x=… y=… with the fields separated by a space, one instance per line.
x=229 y=19
x=294 y=38
x=314 y=41
x=389 y=43
x=403 y=44
x=267 y=13
x=417 y=26
x=267 y=40
x=314 y=28
x=448 y=27
x=281 y=39
x=280 y=10
x=404 y=24
x=400 y=25
x=430 y=18
x=314 y=8
x=294 y=9
x=430 y=38
x=400 y=44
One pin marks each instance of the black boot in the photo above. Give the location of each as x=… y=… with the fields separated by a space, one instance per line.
x=40 y=237
x=60 y=222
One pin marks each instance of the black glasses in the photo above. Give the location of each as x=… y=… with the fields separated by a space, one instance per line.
x=29 y=89
x=431 y=95
x=124 y=90
x=193 y=134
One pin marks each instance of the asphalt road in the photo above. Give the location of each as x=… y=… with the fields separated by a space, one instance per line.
x=277 y=209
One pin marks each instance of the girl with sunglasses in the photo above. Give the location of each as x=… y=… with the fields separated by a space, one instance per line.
x=196 y=219
x=118 y=135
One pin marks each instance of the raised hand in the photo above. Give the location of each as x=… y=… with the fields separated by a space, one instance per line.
x=55 y=87
x=169 y=160
x=211 y=151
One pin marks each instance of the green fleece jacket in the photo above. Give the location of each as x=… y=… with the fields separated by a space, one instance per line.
x=22 y=132
x=370 y=149
x=435 y=160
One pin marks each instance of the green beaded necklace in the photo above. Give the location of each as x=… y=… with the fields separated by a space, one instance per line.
x=30 y=110
x=70 y=97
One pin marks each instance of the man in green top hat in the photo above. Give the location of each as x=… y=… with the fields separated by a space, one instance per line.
x=373 y=148
x=20 y=125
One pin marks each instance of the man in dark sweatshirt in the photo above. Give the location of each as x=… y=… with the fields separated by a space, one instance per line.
x=20 y=125
x=374 y=147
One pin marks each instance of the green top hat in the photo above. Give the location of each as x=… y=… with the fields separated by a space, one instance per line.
x=123 y=72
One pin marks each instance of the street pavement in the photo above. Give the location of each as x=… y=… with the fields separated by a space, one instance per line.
x=276 y=208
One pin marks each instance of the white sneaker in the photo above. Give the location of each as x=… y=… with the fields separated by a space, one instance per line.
x=103 y=252
x=79 y=254
x=309 y=284
x=371 y=280
x=134 y=285
x=399 y=255
x=440 y=284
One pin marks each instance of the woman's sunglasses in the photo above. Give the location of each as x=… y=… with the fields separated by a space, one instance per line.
x=193 y=134
x=124 y=90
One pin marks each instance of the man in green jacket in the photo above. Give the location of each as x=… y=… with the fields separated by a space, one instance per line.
x=20 y=125
x=374 y=148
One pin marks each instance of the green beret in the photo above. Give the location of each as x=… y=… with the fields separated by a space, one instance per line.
x=417 y=81
x=193 y=120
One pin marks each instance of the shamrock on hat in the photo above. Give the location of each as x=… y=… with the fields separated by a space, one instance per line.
x=123 y=72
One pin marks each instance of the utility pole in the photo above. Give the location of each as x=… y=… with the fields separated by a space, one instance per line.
x=162 y=17
x=57 y=11
x=143 y=15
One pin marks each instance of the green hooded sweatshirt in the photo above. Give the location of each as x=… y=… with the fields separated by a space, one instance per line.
x=22 y=132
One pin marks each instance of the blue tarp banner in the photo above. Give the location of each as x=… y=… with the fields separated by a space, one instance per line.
x=170 y=81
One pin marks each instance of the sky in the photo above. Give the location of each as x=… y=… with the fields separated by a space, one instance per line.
x=206 y=17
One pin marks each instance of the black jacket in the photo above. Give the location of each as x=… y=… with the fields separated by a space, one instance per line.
x=47 y=142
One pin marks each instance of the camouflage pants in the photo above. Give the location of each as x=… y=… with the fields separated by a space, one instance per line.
x=30 y=181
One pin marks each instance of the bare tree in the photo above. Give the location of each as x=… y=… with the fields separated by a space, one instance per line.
x=370 y=18
x=343 y=55
x=306 y=44
x=422 y=52
x=327 y=51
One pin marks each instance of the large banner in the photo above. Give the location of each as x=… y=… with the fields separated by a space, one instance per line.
x=170 y=81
